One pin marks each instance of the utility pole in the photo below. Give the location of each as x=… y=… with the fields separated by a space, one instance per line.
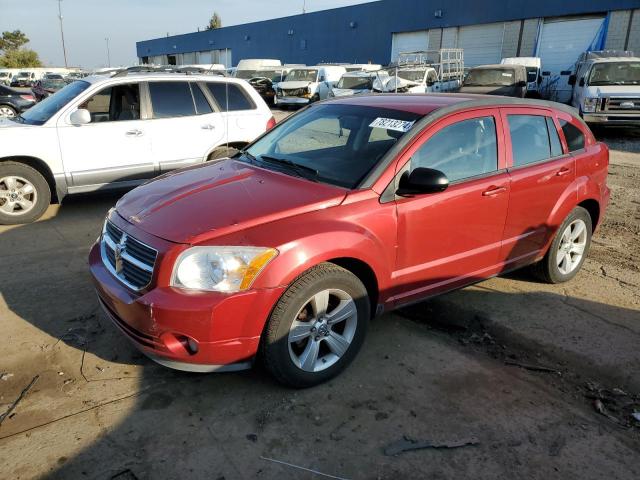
x=64 y=49
x=108 y=53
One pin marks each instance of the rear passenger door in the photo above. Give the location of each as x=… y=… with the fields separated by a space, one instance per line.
x=239 y=112
x=185 y=126
x=542 y=172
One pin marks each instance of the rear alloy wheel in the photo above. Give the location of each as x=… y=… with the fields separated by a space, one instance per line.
x=221 y=153
x=317 y=327
x=24 y=194
x=568 y=249
x=7 y=111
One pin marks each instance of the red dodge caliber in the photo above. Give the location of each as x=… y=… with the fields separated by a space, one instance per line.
x=349 y=208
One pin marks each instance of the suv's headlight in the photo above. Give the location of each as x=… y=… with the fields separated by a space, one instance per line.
x=590 y=104
x=220 y=269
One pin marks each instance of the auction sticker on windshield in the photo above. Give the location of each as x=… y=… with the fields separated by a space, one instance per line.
x=391 y=124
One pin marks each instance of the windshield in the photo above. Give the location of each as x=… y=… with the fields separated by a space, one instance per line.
x=246 y=74
x=22 y=74
x=273 y=75
x=43 y=111
x=532 y=74
x=482 y=77
x=356 y=83
x=412 y=75
x=302 y=75
x=4 y=74
x=615 y=73
x=52 y=83
x=336 y=143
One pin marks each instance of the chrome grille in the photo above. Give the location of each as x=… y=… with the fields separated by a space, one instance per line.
x=127 y=258
x=295 y=92
x=622 y=104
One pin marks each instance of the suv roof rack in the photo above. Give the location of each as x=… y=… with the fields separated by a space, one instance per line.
x=186 y=70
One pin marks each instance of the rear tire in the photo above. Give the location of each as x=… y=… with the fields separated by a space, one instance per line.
x=317 y=327
x=222 y=152
x=7 y=111
x=24 y=194
x=568 y=250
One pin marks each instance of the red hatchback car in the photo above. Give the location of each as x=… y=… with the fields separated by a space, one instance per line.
x=347 y=209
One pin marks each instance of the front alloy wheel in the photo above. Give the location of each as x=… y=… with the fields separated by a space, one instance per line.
x=317 y=326
x=7 y=111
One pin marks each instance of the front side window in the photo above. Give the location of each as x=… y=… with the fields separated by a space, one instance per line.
x=529 y=139
x=573 y=135
x=462 y=150
x=171 y=99
x=230 y=97
x=332 y=143
x=114 y=104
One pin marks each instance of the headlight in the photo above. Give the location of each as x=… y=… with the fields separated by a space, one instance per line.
x=590 y=104
x=220 y=269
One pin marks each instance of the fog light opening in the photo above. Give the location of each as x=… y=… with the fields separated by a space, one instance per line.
x=189 y=344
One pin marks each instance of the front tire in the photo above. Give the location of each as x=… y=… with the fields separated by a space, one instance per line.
x=568 y=250
x=222 y=152
x=24 y=194
x=317 y=327
x=7 y=111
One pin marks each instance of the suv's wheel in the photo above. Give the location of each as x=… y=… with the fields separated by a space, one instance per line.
x=222 y=152
x=24 y=194
x=317 y=327
x=568 y=249
x=7 y=111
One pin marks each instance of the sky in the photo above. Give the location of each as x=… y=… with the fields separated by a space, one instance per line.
x=87 y=23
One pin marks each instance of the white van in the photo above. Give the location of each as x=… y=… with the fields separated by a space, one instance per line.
x=534 y=74
x=247 y=68
x=6 y=75
x=308 y=84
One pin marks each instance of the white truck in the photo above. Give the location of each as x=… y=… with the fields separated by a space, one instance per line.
x=359 y=82
x=427 y=71
x=309 y=84
x=106 y=132
x=534 y=72
x=606 y=88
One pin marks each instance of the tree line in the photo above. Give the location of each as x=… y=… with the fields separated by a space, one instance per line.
x=14 y=55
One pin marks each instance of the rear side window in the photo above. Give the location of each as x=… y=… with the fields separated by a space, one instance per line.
x=529 y=139
x=574 y=136
x=230 y=97
x=202 y=105
x=462 y=150
x=171 y=99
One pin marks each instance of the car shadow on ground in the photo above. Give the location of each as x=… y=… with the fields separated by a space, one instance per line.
x=180 y=424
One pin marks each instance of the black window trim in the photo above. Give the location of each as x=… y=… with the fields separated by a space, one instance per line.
x=193 y=85
x=513 y=168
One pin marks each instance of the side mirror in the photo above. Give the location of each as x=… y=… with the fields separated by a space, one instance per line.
x=539 y=80
x=322 y=78
x=522 y=84
x=581 y=82
x=572 y=80
x=422 y=180
x=80 y=117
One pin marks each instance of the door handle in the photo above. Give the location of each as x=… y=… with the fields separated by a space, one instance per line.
x=134 y=133
x=208 y=126
x=493 y=190
x=563 y=171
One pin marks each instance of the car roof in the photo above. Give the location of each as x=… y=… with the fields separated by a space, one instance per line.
x=427 y=103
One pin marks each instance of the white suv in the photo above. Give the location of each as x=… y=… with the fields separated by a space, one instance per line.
x=100 y=132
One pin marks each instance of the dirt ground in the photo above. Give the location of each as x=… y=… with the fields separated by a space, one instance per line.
x=527 y=380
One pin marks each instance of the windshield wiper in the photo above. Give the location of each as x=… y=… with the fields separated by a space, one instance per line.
x=302 y=170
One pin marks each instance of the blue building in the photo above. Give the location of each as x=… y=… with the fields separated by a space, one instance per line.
x=557 y=31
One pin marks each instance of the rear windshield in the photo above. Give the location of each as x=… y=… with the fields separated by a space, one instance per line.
x=332 y=143
x=488 y=77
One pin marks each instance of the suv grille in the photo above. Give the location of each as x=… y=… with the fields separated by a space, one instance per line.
x=294 y=92
x=128 y=259
x=622 y=104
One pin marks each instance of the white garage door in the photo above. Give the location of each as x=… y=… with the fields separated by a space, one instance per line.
x=482 y=44
x=560 y=43
x=409 y=42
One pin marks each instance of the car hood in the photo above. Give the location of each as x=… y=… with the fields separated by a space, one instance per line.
x=615 y=90
x=506 y=90
x=294 y=84
x=195 y=204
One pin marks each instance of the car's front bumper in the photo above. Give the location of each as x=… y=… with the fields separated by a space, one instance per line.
x=612 y=119
x=225 y=327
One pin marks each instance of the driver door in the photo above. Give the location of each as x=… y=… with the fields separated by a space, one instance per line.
x=115 y=148
x=453 y=238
